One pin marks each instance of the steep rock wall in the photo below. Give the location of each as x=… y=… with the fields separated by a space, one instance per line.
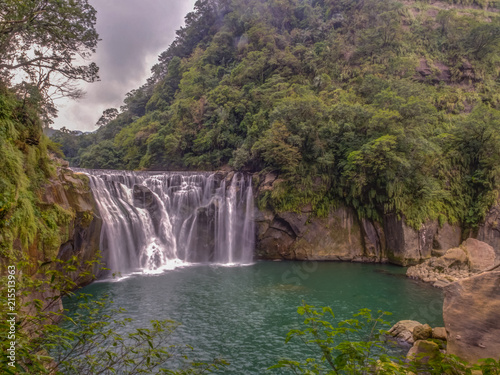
x=343 y=236
x=489 y=231
x=72 y=192
x=302 y=236
x=286 y=235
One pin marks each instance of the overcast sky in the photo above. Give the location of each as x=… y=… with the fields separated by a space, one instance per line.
x=133 y=33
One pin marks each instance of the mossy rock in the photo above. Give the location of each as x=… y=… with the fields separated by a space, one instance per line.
x=423 y=351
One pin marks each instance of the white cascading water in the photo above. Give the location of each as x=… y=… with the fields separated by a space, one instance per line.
x=158 y=220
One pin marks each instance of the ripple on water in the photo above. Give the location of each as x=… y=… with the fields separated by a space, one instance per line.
x=244 y=313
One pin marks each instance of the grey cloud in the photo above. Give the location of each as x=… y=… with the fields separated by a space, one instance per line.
x=133 y=33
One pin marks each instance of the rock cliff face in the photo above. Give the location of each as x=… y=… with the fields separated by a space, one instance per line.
x=489 y=231
x=471 y=315
x=283 y=235
x=71 y=191
x=342 y=236
x=301 y=236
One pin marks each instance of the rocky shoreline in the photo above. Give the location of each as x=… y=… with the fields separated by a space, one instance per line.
x=471 y=314
x=458 y=263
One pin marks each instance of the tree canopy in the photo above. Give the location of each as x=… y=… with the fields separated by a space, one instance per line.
x=46 y=44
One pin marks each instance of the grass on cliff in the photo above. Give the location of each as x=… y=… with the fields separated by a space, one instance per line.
x=25 y=167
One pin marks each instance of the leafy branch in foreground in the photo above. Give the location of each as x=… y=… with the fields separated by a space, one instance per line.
x=91 y=342
x=340 y=348
x=359 y=346
x=94 y=340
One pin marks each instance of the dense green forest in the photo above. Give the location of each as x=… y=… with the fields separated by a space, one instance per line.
x=382 y=105
x=25 y=168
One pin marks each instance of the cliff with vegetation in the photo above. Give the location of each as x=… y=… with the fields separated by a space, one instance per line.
x=46 y=211
x=387 y=110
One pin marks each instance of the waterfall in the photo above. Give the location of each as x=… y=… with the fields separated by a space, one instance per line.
x=158 y=220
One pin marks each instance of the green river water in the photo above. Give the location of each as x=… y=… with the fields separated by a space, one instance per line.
x=243 y=314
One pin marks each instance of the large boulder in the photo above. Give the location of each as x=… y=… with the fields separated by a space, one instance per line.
x=423 y=351
x=481 y=256
x=403 y=330
x=471 y=313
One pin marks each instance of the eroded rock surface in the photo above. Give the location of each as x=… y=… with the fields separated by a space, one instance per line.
x=301 y=236
x=471 y=313
x=344 y=236
x=405 y=245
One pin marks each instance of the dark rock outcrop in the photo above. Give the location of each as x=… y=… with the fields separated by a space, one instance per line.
x=406 y=246
x=471 y=315
x=204 y=236
x=373 y=240
x=302 y=236
x=145 y=199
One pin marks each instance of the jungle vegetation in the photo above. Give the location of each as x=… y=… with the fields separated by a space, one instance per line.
x=386 y=106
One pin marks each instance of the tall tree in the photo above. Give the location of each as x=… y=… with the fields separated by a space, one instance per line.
x=47 y=44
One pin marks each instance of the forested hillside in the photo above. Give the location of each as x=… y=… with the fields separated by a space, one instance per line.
x=382 y=105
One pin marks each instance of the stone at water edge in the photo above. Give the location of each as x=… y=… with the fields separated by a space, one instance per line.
x=471 y=313
x=422 y=332
x=403 y=330
x=423 y=351
x=439 y=333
